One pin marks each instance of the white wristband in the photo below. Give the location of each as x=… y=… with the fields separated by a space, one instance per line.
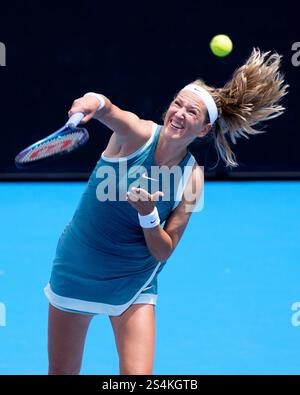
x=99 y=97
x=151 y=220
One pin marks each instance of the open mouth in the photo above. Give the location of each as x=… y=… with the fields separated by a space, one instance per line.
x=176 y=125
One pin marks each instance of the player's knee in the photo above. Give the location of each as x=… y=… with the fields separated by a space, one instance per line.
x=60 y=370
x=136 y=370
x=132 y=372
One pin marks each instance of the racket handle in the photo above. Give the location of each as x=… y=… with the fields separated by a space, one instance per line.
x=75 y=119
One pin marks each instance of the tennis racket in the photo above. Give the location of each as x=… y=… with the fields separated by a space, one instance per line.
x=63 y=141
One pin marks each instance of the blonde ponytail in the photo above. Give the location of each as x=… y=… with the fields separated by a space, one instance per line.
x=250 y=97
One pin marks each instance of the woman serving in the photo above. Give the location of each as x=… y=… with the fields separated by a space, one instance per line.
x=110 y=254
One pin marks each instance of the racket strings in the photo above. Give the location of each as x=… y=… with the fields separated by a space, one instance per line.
x=54 y=146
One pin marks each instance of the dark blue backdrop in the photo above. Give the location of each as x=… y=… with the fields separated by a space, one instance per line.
x=138 y=54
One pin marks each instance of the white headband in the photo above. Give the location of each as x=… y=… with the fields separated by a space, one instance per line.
x=207 y=99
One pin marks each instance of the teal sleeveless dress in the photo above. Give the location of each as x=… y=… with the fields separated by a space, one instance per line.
x=102 y=264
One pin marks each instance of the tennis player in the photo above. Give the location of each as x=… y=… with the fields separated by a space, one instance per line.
x=111 y=252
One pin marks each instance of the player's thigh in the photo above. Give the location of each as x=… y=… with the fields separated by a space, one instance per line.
x=66 y=336
x=134 y=332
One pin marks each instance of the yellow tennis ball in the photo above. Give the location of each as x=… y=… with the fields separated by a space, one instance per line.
x=221 y=45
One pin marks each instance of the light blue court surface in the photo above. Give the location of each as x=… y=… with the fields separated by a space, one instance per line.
x=225 y=296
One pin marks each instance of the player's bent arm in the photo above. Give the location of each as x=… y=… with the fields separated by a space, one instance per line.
x=162 y=242
x=125 y=124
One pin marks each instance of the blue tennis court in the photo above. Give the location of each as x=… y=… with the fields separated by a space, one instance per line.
x=225 y=296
